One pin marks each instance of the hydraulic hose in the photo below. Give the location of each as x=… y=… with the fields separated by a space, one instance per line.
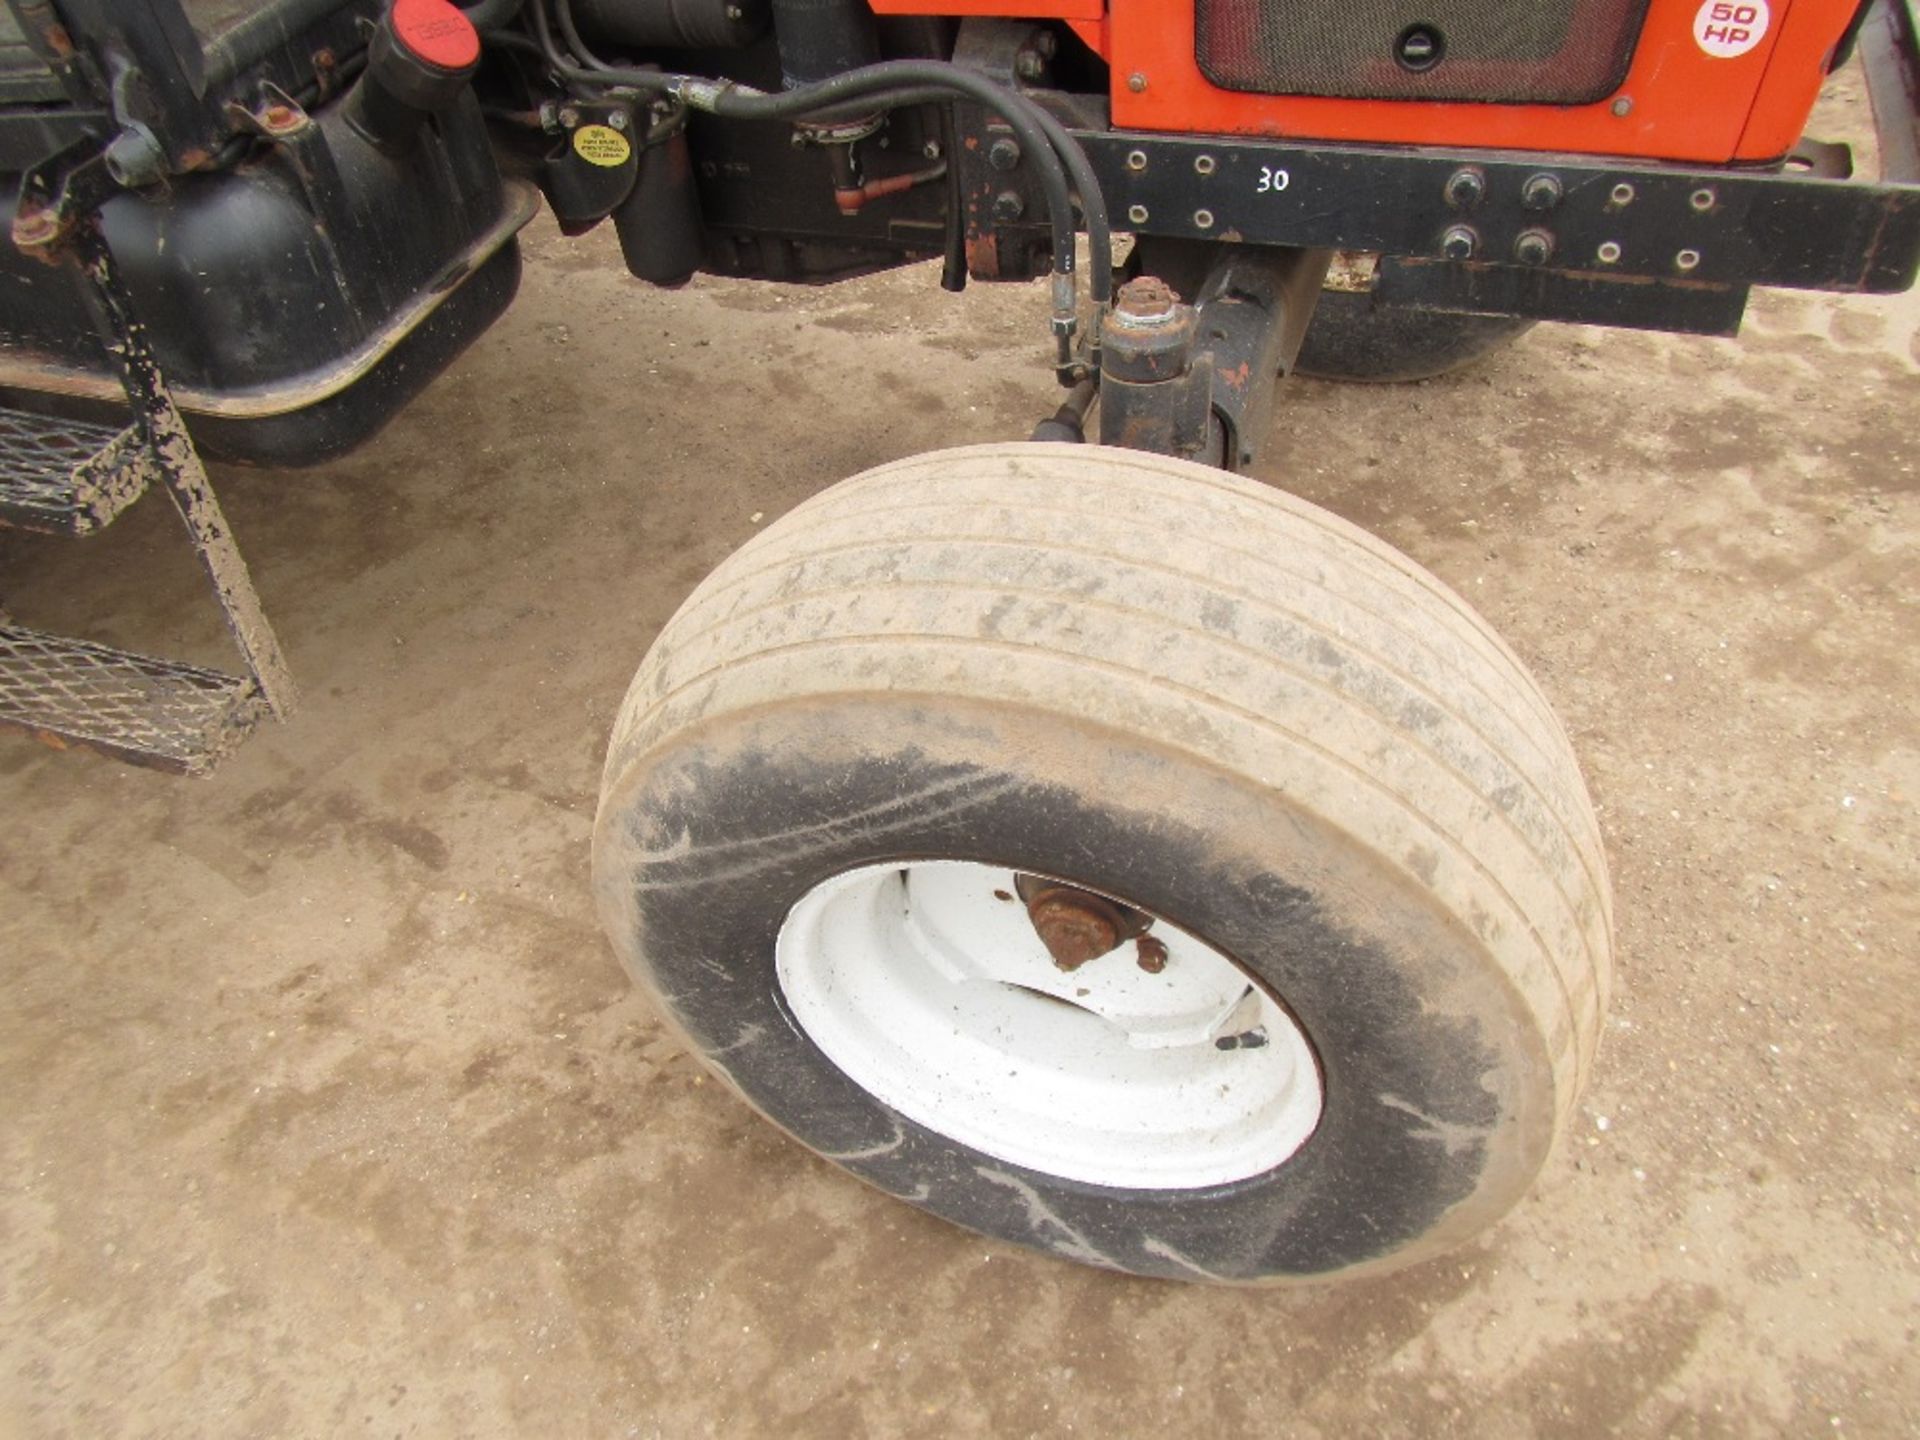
x=492 y=14
x=738 y=102
x=1061 y=164
x=953 y=259
x=563 y=12
x=1093 y=204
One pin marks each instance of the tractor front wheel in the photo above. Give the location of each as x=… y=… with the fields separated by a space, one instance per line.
x=1118 y=858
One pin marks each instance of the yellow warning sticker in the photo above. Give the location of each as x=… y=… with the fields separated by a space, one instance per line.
x=601 y=145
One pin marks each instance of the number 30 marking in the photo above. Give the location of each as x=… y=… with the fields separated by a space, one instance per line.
x=1272 y=181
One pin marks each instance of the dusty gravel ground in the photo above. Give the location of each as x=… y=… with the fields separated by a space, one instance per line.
x=327 y=1111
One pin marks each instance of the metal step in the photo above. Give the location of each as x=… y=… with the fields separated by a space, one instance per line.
x=67 y=477
x=158 y=713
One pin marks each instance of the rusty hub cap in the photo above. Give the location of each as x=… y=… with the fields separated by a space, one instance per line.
x=1147 y=297
x=1077 y=925
x=1073 y=925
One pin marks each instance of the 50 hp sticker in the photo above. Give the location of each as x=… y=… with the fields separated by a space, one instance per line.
x=1726 y=28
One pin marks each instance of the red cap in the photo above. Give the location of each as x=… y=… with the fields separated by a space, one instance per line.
x=437 y=33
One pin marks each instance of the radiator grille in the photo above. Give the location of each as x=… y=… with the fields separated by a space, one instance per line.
x=1552 y=52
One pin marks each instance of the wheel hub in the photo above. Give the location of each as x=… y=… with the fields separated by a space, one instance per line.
x=1076 y=925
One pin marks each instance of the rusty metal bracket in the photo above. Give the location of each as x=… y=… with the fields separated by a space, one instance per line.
x=58 y=194
x=179 y=469
x=276 y=116
x=1198 y=380
x=1251 y=314
x=999 y=189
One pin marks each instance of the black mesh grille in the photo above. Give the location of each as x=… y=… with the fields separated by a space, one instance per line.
x=1553 y=52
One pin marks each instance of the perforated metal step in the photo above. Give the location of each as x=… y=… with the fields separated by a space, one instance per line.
x=67 y=477
x=158 y=713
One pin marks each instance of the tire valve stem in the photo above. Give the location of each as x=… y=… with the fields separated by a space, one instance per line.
x=1151 y=954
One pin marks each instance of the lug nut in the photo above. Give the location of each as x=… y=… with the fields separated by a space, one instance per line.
x=1004 y=153
x=1465 y=187
x=1459 y=243
x=1541 y=192
x=1008 y=207
x=1533 y=247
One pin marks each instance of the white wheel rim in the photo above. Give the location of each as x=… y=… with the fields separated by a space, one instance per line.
x=919 y=982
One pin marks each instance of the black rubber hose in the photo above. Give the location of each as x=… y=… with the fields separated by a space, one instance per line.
x=564 y=62
x=870 y=84
x=492 y=14
x=953 y=260
x=1085 y=185
x=934 y=75
x=563 y=12
x=1020 y=115
x=1093 y=204
x=731 y=101
x=1061 y=148
x=1056 y=154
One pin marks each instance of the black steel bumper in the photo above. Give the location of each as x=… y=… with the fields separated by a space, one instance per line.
x=1574 y=238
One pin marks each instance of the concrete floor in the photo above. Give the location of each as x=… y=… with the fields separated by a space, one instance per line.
x=327 y=1111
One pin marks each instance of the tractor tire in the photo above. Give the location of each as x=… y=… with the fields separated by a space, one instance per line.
x=898 y=758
